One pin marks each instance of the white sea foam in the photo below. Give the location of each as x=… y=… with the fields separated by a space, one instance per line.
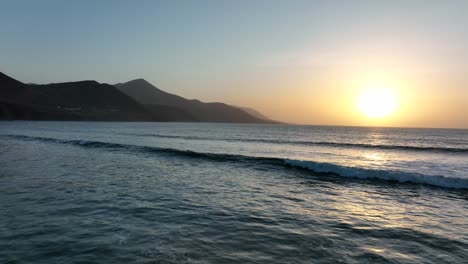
x=362 y=173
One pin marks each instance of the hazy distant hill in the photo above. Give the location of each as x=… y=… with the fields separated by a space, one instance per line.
x=254 y=112
x=147 y=94
x=85 y=100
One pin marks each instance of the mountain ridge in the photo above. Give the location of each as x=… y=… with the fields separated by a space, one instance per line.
x=89 y=100
x=81 y=100
x=148 y=94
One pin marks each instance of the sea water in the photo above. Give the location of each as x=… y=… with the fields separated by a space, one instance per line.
x=231 y=193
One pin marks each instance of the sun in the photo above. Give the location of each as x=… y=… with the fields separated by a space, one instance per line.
x=377 y=102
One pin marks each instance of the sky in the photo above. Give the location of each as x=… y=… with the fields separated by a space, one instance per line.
x=305 y=62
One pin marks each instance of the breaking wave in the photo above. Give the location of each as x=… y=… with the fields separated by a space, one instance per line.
x=316 y=167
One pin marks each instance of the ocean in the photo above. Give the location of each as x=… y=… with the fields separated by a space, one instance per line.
x=105 y=192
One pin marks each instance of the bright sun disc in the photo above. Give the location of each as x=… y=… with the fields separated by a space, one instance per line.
x=377 y=103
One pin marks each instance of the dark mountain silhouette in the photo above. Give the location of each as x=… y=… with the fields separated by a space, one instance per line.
x=18 y=101
x=136 y=100
x=13 y=91
x=85 y=100
x=165 y=113
x=147 y=94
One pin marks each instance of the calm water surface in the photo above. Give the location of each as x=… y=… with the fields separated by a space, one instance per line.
x=84 y=192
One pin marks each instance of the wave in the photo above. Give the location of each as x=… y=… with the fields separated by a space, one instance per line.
x=313 y=166
x=363 y=173
x=317 y=143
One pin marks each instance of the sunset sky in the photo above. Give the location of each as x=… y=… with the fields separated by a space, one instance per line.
x=308 y=62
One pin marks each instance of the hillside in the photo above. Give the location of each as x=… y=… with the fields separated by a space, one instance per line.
x=136 y=100
x=85 y=100
x=147 y=94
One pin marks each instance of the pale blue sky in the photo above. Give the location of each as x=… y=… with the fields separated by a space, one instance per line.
x=233 y=51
